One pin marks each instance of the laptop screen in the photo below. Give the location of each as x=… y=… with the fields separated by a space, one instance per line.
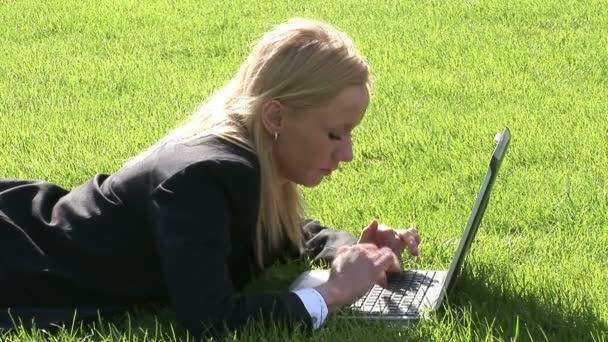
x=479 y=207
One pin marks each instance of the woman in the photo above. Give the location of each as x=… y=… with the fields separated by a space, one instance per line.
x=195 y=217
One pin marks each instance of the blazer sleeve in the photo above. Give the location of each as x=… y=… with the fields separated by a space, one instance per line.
x=321 y=243
x=192 y=220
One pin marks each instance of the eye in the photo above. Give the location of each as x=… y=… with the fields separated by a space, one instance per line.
x=333 y=136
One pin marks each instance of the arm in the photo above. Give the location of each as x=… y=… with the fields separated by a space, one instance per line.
x=322 y=243
x=192 y=217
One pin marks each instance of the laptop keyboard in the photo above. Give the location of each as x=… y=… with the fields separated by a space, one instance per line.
x=402 y=296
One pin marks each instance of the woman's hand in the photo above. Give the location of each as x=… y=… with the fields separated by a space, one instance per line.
x=354 y=271
x=395 y=239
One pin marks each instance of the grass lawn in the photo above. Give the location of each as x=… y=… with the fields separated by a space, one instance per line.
x=85 y=85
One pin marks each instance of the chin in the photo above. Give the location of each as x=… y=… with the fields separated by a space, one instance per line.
x=311 y=183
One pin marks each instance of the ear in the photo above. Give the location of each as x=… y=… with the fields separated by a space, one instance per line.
x=272 y=116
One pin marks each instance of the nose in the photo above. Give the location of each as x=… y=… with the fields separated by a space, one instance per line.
x=345 y=151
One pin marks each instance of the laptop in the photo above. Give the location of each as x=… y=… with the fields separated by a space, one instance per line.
x=414 y=294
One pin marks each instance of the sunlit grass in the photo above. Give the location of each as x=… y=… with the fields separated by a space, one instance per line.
x=86 y=85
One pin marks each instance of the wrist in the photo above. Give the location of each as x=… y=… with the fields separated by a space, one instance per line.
x=331 y=295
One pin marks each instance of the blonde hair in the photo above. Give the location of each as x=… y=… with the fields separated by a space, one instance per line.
x=301 y=64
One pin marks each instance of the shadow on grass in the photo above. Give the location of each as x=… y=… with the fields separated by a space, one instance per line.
x=157 y=322
x=483 y=304
x=553 y=314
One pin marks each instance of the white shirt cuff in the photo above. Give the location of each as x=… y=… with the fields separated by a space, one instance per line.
x=315 y=305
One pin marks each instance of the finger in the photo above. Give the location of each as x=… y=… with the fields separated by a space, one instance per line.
x=413 y=246
x=399 y=243
x=387 y=261
x=372 y=226
x=367 y=247
x=414 y=250
x=416 y=235
x=382 y=226
x=411 y=239
x=395 y=265
x=382 y=281
x=365 y=250
x=367 y=235
x=405 y=233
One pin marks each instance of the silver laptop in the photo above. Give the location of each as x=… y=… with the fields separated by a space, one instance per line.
x=414 y=294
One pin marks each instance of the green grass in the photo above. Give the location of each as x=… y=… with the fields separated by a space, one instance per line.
x=86 y=85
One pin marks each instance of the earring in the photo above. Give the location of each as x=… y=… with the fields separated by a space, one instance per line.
x=276 y=136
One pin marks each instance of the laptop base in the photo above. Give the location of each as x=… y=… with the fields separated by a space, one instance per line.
x=409 y=295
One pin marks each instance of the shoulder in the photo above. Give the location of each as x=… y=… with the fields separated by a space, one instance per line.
x=210 y=173
x=222 y=160
x=203 y=150
x=194 y=161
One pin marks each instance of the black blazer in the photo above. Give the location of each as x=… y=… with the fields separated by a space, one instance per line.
x=178 y=226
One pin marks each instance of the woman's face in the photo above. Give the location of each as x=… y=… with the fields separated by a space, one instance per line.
x=312 y=143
